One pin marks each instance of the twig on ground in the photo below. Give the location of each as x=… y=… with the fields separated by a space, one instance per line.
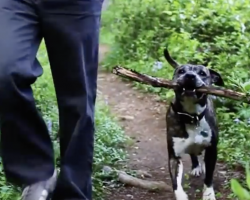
x=126 y=179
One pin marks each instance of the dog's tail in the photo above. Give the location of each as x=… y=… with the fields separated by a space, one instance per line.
x=170 y=60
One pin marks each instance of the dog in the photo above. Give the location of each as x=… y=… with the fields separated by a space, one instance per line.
x=191 y=126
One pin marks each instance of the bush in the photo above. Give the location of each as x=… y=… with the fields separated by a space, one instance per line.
x=214 y=33
x=108 y=140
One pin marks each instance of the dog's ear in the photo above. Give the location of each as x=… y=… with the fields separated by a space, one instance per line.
x=216 y=78
x=170 y=60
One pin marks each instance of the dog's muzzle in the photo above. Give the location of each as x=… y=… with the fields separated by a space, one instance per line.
x=188 y=85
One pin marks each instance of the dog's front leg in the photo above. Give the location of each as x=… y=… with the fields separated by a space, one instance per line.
x=176 y=173
x=210 y=162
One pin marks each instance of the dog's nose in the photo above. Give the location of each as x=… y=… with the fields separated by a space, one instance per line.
x=190 y=77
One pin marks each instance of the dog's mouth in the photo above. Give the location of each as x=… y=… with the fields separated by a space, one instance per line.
x=190 y=92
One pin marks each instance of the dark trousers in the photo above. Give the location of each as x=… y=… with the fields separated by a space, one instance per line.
x=70 y=29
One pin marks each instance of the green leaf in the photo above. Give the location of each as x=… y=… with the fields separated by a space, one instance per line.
x=167 y=12
x=248 y=176
x=239 y=191
x=246 y=86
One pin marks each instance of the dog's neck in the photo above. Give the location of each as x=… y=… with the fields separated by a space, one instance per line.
x=189 y=110
x=190 y=105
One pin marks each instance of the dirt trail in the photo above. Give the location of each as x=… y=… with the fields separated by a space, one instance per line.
x=145 y=123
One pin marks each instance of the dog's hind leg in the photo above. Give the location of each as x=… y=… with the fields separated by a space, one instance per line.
x=196 y=166
x=176 y=173
x=210 y=162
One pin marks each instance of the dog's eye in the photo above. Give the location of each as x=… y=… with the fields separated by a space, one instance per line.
x=181 y=71
x=202 y=73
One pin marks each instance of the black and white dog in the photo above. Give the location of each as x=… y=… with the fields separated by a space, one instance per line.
x=191 y=126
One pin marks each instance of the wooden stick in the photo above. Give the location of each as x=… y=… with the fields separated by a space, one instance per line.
x=127 y=179
x=144 y=184
x=159 y=82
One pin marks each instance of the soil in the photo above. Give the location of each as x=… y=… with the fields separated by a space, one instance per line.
x=143 y=118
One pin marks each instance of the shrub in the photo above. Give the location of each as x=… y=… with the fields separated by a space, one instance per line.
x=108 y=140
x=214 y=33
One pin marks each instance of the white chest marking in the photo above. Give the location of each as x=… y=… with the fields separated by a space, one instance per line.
x=198 y=138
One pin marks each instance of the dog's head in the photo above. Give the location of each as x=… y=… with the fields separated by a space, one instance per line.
x=190 y=77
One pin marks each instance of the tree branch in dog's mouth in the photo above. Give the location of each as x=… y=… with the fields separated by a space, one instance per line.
x=159 y=82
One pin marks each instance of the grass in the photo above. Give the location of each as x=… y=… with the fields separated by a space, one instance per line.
x=109 y=140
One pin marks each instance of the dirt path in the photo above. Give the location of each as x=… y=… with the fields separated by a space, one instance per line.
x=145 y=124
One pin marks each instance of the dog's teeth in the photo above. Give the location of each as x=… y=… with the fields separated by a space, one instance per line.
x=183 y=91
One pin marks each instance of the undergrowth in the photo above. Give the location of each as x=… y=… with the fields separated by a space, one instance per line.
x=214 y=33
x=109 y=136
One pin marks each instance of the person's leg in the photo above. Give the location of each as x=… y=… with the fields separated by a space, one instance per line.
x=71 y=33
x=26 y=147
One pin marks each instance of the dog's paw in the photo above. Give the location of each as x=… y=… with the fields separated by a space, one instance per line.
x=180 y=194
x=197 y=171
x=208 y=193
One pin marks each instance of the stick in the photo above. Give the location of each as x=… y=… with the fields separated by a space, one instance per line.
x=144 y=184
x=126 y=179
x=159 y=82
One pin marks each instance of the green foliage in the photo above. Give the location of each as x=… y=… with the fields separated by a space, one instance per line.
x=109 y=147
x=239 y=190
x=214 y=33
x=109 y=137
